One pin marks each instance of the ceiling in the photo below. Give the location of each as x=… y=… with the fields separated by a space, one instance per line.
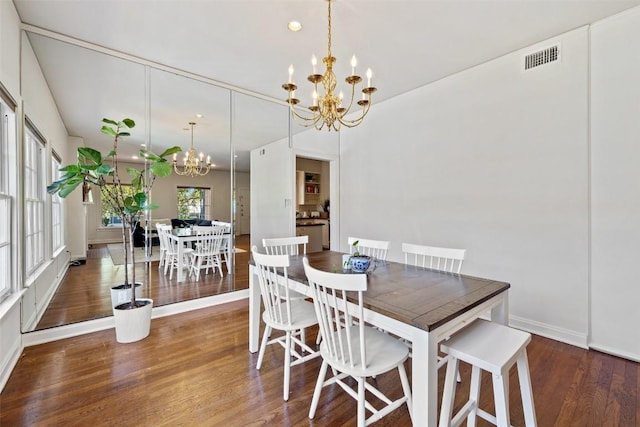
x=246 y=44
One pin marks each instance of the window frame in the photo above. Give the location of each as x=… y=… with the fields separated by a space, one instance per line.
x=8 y=195
x=57 y=207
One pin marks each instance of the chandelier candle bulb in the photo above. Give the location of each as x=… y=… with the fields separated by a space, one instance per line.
x=314 y=62
x=369 y=75
x=291 y=73
x=354 y=62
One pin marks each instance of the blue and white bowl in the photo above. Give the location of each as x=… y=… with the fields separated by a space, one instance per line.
x=359 y=264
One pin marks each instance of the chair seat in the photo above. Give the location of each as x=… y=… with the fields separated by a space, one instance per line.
x=384 y=352
x=488 y=345
x=303 y=315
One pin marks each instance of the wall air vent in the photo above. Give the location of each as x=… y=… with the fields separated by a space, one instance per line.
x=544 y=56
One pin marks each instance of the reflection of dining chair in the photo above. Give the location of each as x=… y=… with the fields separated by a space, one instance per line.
x=163 y=246
x=207 y=252
x=374 y=248
x=435 y=258
x=282 y=313
x=351 y=348
x=171 y=254
x=443 y=259
x=286 y=245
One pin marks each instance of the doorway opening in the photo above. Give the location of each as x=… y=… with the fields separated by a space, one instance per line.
x=313 y=202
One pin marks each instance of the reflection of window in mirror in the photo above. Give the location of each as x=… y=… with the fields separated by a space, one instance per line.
x=194 y=202
x=35 y=179
x=57 y=235
x=109 y=216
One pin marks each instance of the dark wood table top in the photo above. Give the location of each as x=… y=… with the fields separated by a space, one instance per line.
x=417 y=296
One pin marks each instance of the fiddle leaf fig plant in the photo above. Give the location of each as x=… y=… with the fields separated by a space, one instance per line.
x=128 y=201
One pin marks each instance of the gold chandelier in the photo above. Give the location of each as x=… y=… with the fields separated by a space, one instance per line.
x=327 y=109
x=192 y=165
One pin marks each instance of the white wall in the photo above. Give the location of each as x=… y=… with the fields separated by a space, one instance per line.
x=615 y=180
x=494 y=160
x=272 y=192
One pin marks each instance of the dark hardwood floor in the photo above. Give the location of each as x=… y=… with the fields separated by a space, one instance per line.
x=195 y=370
x=84 y=293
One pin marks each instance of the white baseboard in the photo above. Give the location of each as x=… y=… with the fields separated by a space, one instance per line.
x=9 y=362
x=615 y=352
x=553 y=332
x=89 y=326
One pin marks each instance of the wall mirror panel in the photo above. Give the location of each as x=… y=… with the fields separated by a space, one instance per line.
x=88 y=84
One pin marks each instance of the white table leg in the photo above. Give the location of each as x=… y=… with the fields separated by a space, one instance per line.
x=254 y=311
x=500 y=313
x=425 y=379
x=181 y=275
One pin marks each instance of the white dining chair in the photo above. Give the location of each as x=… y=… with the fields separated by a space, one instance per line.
x=352 y=349
x=442 y=259
x=289 y=246
x=436 y=258
x=282 y=313
x=163 y=245
x=286 y=245
x=377 y=249
x=207 y=253
x=171 y=254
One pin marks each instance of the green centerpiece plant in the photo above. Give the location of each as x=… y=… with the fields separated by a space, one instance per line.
x=128 y=201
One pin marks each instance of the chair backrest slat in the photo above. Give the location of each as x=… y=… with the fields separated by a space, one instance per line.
x=377 y=249
x=286 y=245
x=443 y=259
x=336 y=320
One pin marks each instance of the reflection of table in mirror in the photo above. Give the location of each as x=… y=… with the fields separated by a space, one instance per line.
x=185 y=237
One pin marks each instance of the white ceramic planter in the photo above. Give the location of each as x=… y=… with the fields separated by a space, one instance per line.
x=133 y=324
x=120 y=296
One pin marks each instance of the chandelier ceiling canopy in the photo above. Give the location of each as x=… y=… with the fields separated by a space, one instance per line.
x=327 y=108
x=192 y=165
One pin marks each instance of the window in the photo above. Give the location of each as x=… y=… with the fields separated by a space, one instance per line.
x=194 y=202
x=7 y=196
x=109 y=217
x=56 y=208
x=34 y=191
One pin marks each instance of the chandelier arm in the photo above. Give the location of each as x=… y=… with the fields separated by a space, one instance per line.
x=308 y=122
x=357 y=121
x=294 y=113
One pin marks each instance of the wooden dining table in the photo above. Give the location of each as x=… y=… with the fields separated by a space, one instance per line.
x=420 y=305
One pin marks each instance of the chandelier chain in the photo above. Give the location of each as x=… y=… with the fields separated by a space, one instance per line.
x=329 y=31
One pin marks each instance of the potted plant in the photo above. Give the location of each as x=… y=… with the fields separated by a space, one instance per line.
x=129 y=202
x=359 y=263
